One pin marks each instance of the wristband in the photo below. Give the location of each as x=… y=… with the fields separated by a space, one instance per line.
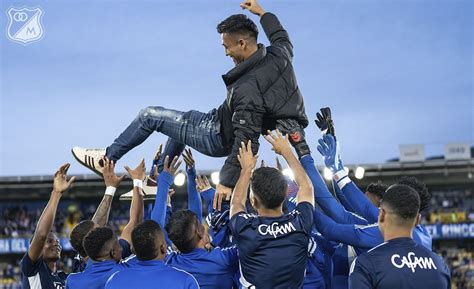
x=110 y=191
x=341 y=178
x=138 y=183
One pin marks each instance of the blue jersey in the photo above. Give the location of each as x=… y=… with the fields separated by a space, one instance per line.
x=342 y=259
x=38 y=275
x=212 y=269
x=319 y=269
x=399 y=263
x=273 y=252
x=94 y=276
x=151 y=274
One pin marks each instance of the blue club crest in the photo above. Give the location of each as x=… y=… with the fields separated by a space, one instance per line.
x=24 y=25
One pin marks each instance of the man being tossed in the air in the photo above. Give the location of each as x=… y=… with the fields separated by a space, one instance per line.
x=272 y=246
x=261 y=89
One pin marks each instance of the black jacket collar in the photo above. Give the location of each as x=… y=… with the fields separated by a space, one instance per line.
x=242 y=68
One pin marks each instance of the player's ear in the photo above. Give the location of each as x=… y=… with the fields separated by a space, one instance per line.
x=418 y=219
x=382 y=215
x=200 y=231
x=163 y=249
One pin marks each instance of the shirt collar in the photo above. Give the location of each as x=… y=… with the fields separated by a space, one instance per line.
x=150 y=263
x=245 y=66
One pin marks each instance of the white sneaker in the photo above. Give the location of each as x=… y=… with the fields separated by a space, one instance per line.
x=148 y=191
x=90 y=158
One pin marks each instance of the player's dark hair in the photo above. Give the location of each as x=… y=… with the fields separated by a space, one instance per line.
x=77 y=236
x=425 y=195
x=144 y=238
x=270 y=186
x=403 y=201
x=95 y=241
x=181 y=230
x=377 y=189
x=238 y=24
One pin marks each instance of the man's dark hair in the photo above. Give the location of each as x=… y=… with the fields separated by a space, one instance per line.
x=425 y=195
x=77 y=236
x=95 y=241
x=238 y=24
x=270 y=186
x=181 y=230
x=377 y=189
x=403 y=201
x=144 y=240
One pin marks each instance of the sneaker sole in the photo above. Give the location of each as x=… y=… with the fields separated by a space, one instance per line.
x=87 y=166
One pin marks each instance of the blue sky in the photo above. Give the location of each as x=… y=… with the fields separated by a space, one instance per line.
x=394 y=72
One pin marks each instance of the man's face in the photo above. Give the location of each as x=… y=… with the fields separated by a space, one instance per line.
x=234 y=48
x=52 y=248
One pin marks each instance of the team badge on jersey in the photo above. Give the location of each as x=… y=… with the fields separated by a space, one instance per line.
x=24 y=25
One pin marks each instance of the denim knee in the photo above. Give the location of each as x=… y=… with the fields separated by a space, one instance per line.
x=150 y=110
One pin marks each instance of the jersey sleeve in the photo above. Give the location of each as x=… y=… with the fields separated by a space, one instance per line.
x=362 y=237
x=230 y=256
x=28 y=267
x=360 y=274
x=360 y=203
x=239 y=222
x=325 y=199
x=305 y=213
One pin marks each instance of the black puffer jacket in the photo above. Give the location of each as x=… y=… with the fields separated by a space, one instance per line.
x=260 y=90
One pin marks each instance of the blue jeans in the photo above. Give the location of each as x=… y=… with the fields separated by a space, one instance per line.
x=201 y=131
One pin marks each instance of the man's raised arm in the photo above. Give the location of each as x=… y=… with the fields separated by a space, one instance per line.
x=46 y=220
x=247 y=161
x=275 y=32
x=282 y=146
x=112 y=182
x=136 y=208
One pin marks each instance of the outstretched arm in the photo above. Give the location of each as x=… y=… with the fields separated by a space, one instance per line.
x=281 y=146
x=112 y=182
x=325 y=199
x=207 y=192
x=340 y=196
x=136 y=208
x=46 y=220
x=356 y=197
x=247 y=162
x=275 y=32
x=362 y=237
x=194 y=199
x=165 y=179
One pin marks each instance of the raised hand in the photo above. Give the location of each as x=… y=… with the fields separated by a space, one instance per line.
x=278 y=164
x=139 y=172
x=60 y=182
x=324 y=122
x=171 y=168
x=222 y=193
x=329 y=149
x=246 y=158
x=296 y=134
x=202 y=184
x=156 y=158
x=253 y=7
x=188 y=159
x=280 y=143
x=110 y=178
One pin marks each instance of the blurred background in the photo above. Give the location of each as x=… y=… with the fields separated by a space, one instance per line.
x=397 y=74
